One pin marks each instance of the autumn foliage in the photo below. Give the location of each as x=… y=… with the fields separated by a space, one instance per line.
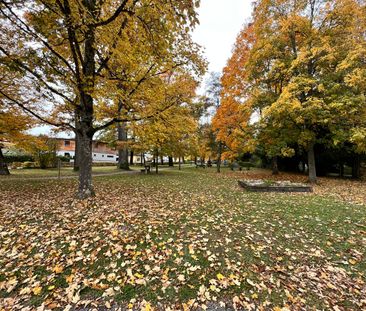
x=296 y=69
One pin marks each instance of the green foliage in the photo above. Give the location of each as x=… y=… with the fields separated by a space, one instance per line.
x=10 y=158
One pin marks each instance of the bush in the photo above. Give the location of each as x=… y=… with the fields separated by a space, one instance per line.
x=63 y=158
x=246 y=165
x=11 y=158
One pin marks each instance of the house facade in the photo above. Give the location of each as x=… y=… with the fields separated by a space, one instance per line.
x=101 y=152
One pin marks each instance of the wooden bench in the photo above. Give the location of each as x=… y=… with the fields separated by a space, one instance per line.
x=146 y=169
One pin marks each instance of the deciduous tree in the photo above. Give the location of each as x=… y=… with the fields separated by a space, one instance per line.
x=77 y=53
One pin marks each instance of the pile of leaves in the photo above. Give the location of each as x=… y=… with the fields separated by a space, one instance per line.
x=178 y=241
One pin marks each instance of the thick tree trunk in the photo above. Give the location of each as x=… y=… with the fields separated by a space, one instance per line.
x=122 y=151
x=275 y=170
x=171 y=163
x=84 y=122
x=219 y=157
x=3 y=166
x=131 y=157
x=183 y=160
x=356 y=166
x=311 y=164
x=179 y=163
x=85 y=167
x=195 y=160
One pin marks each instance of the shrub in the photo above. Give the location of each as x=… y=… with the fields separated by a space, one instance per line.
x=63 y=158
x=11 y=158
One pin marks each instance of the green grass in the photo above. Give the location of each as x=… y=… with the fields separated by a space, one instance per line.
x=53 y=172
x=67 y=171
x=295 y=250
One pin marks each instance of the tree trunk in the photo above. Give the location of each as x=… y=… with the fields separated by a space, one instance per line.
x=84 y=122
x=341 y=169
x=275 y=170
x=183 y=160
x=162 y=160
x=85 y=167
x=356 y=167
x=311 y=164
x=3 y=166
x=157 y=163
x=123 y=150
x=219 y=157
x=171 y=163
x=195 y=160
x=179 y=163
x=77 y=153
x=142 y=159
x=131 y=157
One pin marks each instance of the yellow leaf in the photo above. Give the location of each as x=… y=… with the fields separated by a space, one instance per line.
x=37 y=290
x=220 y=276
x=51 y=287
x=58 y=269
x=352 y=261
x=147 y=307
x=69 y=278
x=138 y=275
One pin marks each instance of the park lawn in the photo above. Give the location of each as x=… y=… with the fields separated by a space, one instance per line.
x=68 y=171
x=53 y=172
x=182 y=239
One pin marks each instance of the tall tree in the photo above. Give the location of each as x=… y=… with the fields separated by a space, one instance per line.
x=302 y=72
x=76 y=53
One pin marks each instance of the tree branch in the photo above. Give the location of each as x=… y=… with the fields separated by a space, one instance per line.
x=28 y=110
x=36 y=75
x=120 y=9
x=28 y=30
x=117 y=120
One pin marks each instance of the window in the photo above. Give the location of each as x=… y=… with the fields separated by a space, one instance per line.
x=67 y=143
x=109 y=156
x=102 y=155
x=66 y=154
x=94 y=155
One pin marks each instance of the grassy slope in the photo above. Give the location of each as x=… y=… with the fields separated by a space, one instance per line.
x=180 y=237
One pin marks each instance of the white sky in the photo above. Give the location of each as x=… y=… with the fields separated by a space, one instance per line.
x=220 y=23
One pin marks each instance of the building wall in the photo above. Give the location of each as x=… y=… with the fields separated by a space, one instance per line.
x=100 y=152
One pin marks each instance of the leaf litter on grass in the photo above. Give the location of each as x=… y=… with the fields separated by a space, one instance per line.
x=178 y=241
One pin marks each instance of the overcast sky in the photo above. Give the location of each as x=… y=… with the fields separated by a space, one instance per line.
x=220 y=22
